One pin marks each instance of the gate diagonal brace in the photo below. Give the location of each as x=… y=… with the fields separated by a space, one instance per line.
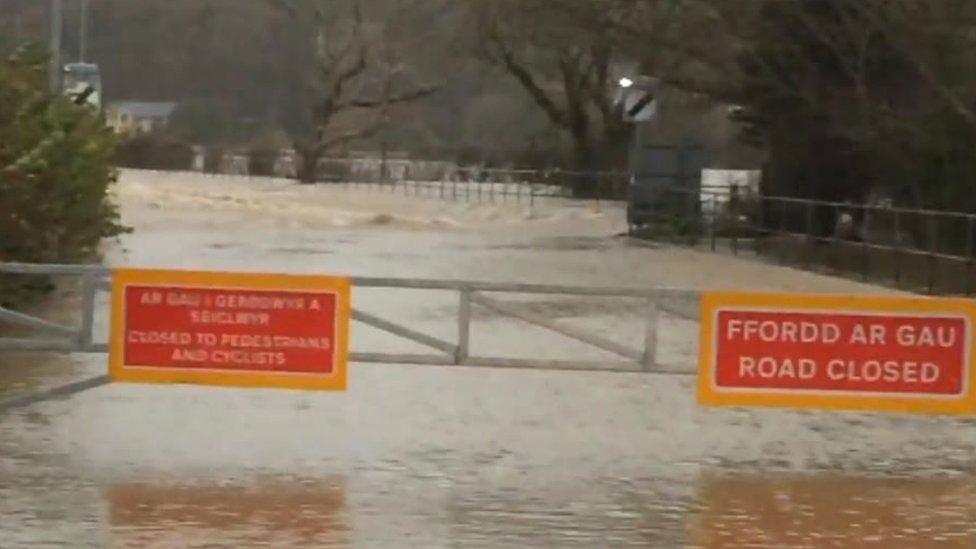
x=573 y=333
x=62 y=391
x=14 y=317
x=407 y=333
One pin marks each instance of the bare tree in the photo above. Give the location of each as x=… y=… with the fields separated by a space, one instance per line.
x=566 y=66
x=357 y=75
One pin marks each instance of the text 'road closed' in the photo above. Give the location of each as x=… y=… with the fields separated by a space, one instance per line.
x=837 y=352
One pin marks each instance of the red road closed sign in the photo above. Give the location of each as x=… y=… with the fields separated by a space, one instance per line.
x=896 y=354
x=230 y=329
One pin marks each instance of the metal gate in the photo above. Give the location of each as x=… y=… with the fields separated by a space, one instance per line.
x=47 y=336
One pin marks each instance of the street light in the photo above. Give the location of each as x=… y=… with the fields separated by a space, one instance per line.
x=626 y=82
x=57 y=22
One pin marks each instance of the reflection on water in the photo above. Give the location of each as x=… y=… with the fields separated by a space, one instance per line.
x=265 y=514
x=834 y=511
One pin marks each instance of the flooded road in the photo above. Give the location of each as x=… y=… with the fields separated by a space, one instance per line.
x=447 y=457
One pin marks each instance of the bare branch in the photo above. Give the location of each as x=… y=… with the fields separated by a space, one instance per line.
x=403 y=97
x=922 y=66
x=359 y=133
x=557 y=115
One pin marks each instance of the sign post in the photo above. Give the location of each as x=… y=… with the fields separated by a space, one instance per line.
x=245 y=330
x=838 y=352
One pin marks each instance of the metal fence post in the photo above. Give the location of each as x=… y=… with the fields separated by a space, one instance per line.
x=930 y=270
x=88 y=289
x=896 y=249
x=865 y=256
x=969 y=254
x=650 y=335
x=464 y=328
x=834 y=238
x=810 y=241
x=711 y=222
x=784 y=233
x=734 y=217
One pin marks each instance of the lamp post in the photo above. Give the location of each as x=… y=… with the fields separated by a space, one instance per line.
x=638 y=105
x=83 y=31
x=54 y=68
x=637 y=102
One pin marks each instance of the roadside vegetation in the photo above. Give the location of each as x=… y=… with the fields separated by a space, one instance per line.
x=55 y=174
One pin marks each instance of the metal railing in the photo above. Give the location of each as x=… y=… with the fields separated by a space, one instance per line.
x=499 y=186
x=474 y=185
x=53 y=337
x=914 y=249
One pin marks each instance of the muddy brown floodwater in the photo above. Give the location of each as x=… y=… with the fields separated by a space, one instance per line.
x=446 y=457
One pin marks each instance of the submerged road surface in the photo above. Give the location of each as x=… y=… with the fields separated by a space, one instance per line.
x=446 y=457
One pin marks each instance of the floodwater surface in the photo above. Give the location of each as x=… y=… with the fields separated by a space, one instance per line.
x=415 y=456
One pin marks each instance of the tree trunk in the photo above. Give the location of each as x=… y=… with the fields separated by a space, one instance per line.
x=592 y=159
x=585 y=180
x=309 y=165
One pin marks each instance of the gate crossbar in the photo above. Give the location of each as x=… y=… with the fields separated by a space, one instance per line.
x=58 y=338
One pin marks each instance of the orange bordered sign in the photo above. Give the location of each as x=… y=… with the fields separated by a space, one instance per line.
x=234 y=329
x=837 y=352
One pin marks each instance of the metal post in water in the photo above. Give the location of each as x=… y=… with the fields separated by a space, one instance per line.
x=650 y=336
x=88 y=289
x=464 y=328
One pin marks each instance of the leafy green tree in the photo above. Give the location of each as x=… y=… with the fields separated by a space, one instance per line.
x=55 y=169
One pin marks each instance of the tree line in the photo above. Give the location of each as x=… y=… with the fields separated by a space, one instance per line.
x=843 y=99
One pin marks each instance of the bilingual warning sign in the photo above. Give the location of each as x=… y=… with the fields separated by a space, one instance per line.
x=847 y=352
x=249 y=330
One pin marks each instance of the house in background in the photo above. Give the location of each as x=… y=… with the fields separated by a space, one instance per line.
x=138 y=117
